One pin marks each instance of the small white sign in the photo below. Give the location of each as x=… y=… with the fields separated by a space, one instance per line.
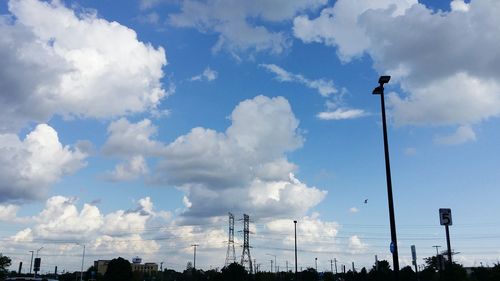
x=445 y=216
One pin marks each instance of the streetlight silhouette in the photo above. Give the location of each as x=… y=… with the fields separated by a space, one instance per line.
x=295 y=224
x=394 y=243
x=83 y=259
x=272 y=263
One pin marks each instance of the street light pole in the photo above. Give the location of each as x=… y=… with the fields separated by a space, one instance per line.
x=394 y=243
x=83 y=259
x=295 y=224
x=31 y=264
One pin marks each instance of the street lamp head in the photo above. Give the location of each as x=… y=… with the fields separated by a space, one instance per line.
x=384 y=79
x=378 y=90
x=294 y=221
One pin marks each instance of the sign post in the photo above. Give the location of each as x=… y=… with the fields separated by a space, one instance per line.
x=414 y=259
x=445 y=219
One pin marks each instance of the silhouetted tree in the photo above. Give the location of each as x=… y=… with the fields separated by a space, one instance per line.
x=4 y=265
x=383 y=273
x=118 y=270
x=234 y=271
x=407 y=274
x=309 y=274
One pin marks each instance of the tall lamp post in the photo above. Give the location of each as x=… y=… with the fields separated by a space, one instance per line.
x=31 y=264
x=295 y=224
x=394 y=243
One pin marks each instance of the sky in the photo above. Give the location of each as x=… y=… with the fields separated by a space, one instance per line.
x=133 y=128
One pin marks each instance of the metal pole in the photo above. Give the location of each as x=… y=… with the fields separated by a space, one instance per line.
x=437 y=252
x=295 y=224
x=316 y=263
x=194 y=256
x=335 y=261
x=83 y=259
x=331 y=266
x=31 y=263
x=448 y=243
x=271 y=265
x=394 y=242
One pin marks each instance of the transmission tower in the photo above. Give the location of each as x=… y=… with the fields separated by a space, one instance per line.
x=231 y=254
x=246 y=259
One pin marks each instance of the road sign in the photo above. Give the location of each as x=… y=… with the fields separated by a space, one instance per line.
x=445 y=216
x=38 y=261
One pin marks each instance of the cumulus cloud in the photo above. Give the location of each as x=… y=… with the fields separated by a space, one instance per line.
x=126 y=138
x=242 y=169
x=356 y=246
x=207 y=75
x=463 y=134
x=63 y=223
x=30 y=166
x=73 y=64
x=131 y=142
x=446 y=80
x=235 y=22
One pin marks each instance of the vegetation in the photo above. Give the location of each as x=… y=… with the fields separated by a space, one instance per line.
x=120 y=269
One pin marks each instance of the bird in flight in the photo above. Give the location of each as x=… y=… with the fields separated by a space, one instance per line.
x=366 y=201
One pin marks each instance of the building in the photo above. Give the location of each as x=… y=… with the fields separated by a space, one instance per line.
x=148 y=267
x=101 y=266
x=137 y=265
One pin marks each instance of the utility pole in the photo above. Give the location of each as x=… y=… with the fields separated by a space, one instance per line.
x=335 y=261
x=316 y=263
x=353 y=269
x=194 y=256
x=437 y=251
x=271 y=265
x=286 y=266
x=331 y=266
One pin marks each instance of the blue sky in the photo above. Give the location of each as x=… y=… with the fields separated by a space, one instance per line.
x=135 y=128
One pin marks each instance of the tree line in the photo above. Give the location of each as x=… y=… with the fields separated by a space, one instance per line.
x=120 y=269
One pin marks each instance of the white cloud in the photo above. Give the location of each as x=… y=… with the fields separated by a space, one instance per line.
x=341 y=113
x=356 y=246
x=30 y=166
x=73 y=64
x=463 y=134
x=234 y=22
x=133 y=168
x=132 y=142
x=130 y=139
x=207 y=75
x=447 y=80
x=353 y=210
x=246 y=164
x=118 y=232
x=324 y=87
x=8 y=212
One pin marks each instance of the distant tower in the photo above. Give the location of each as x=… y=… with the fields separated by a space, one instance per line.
x=246 y=259
x=231 y=254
